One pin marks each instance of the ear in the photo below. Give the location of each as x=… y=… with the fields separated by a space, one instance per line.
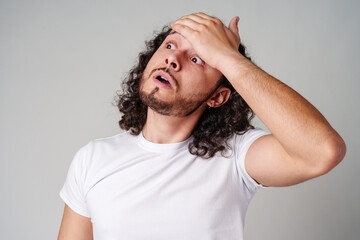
x=219 y=98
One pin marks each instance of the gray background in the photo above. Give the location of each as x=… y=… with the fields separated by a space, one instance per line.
x=62 y=61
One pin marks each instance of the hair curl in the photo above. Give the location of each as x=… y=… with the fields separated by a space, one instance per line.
x=215 y=126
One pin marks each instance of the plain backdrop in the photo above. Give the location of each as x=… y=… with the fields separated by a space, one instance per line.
x=61 y=63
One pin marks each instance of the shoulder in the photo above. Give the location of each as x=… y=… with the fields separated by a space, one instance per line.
x=112 y=141
x=100 y=149
x=104 y=142
x=241 y=146
x=248 y=137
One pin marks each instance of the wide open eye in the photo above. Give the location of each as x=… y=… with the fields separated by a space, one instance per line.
x=197 y=60
x=170 y=45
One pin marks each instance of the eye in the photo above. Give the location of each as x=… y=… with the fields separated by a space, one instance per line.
x=170 y=46
x=197 y=60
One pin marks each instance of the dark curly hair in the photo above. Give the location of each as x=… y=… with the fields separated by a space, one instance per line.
x=215 y=126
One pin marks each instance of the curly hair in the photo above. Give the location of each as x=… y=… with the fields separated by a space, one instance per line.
x=215 y=126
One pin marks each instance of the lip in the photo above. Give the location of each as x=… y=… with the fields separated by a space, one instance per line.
x=165 y=75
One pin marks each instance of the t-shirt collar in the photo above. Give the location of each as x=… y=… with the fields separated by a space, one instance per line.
x=161 y=147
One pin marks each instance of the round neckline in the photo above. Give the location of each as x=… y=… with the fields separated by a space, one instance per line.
x=161 y=147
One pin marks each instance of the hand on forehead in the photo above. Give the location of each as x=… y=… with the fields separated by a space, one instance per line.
x=208 y=35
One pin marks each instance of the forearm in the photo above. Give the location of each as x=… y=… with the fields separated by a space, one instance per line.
x=299 y=126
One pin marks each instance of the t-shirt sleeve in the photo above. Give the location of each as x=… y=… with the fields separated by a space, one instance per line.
x=242 y=145
x=73 y=190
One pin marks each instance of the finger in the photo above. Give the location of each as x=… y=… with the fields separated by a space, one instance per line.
x=205 y=16
x=196 y=18
x=184 y=30
x=189 y=23
x=215 y=20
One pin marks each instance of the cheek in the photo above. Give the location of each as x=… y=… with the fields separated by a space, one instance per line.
x=200 y=78
x=149 y=67
x=156 y=58
x=154 y=62
x=200 y=82
x=195 y=82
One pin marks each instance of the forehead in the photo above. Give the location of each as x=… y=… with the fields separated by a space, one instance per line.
x=180 y=39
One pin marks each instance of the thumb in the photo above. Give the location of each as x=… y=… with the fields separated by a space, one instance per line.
x=233 y=25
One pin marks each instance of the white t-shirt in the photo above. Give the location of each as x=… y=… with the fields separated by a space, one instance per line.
x=134 y=189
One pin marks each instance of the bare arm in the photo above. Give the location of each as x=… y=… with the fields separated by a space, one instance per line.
x=74 y=226
x=302 y=145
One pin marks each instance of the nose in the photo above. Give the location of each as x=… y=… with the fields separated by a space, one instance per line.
x=172 y=61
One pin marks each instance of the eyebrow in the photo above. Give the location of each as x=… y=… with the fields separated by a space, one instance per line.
x=175 y=32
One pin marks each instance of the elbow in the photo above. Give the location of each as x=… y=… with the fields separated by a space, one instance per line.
x=333 y=153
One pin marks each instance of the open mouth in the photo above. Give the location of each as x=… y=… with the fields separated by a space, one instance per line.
x=163 y=81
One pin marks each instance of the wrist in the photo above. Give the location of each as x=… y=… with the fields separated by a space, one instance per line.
x=234 y=64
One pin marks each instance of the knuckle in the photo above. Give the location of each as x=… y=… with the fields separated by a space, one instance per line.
x=196 y=33
x=211 y=23
x=217 y=21
x=202 y=27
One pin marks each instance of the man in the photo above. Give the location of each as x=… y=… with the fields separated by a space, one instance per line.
x=190 y=161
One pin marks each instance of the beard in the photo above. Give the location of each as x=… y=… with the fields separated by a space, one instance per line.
x=181 y=106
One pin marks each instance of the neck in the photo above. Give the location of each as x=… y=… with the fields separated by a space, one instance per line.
x=168 y=129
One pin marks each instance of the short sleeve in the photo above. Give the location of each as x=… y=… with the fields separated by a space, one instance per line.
x=73 y=190
x=242 y=145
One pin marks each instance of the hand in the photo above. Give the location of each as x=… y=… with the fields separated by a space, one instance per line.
x=212 y=41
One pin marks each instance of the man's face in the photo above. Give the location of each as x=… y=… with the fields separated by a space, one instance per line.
x=176 y=82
